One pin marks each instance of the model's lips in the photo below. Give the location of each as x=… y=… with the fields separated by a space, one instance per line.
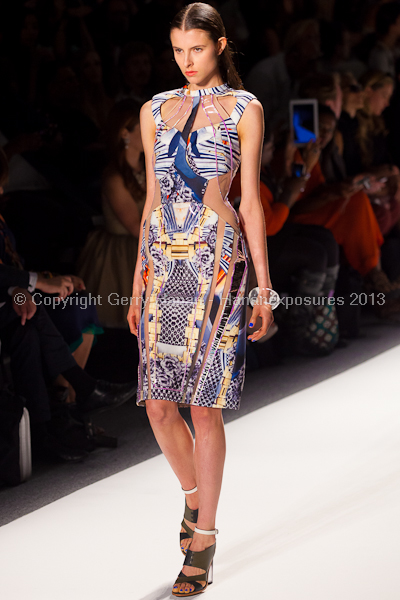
x=189 y=73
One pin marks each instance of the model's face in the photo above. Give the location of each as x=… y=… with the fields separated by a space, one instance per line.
x=379 y=99
x=197 y=55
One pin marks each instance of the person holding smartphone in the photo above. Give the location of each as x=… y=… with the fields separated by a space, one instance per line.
x=304 y=259
x=345 y=209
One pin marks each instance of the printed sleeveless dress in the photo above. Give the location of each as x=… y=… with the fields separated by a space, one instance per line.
x=192 y=332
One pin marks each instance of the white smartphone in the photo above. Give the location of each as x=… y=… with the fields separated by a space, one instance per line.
x=304 y=121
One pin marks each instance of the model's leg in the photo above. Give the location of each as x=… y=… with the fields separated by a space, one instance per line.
x=209 y=461
x=176 y=442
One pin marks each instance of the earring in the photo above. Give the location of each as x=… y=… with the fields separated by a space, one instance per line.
x=127 y=141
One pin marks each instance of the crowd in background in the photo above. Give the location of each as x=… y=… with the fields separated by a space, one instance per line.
x=73 y=76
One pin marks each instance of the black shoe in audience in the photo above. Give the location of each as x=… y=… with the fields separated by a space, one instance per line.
x=107 y=395
x=47 y=446
x=52 y=448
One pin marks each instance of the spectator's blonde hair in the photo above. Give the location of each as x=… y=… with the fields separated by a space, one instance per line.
x=369 y=125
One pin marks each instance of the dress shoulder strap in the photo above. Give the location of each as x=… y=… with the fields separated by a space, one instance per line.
x=158 y=100
x=242 y=99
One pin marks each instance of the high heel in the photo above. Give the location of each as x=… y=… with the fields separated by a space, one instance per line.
x=201 y=560
x=191 y=516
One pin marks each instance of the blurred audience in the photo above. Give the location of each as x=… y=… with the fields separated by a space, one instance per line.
x=108 y=260
x=39 y=354
x=95 y=102
x=384 y=55
x=275 y=80
x=135 y=65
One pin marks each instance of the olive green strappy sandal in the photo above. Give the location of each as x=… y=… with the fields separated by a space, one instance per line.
x=196 y=584
x=191 y=516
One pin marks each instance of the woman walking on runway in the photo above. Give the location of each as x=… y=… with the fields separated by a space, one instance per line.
x=190 y=283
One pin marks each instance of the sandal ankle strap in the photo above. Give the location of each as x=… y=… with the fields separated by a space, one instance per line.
x=190 y=491
x=205 y=532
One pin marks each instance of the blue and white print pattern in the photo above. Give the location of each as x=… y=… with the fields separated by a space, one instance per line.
x=194 y=266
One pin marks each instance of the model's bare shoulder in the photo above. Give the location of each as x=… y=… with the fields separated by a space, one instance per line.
x=252 y=119
x=145 y=111
x=147 y=122
x=253 y=110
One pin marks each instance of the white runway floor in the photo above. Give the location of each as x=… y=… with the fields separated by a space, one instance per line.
x=310 y=509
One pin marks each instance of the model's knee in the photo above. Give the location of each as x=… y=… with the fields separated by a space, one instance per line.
x=203 y=417
x=161 y=412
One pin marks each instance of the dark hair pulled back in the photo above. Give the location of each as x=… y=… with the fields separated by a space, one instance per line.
x=205 y=17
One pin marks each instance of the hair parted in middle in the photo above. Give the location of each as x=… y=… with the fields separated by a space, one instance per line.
x=205 y=17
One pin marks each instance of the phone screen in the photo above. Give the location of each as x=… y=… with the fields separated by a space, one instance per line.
x=297 y=170
x=304 y=121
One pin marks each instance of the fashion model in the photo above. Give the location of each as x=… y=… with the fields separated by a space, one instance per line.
x=190 y=283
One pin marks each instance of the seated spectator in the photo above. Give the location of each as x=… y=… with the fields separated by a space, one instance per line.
x=337 y=51
x=108 y=260
x=368 y=148
x=324 y=87
x=275 y=80
x=384 y=196
x=303 y=259
x=294 y=250
x=353 y=100
x=78 y=154
x=95 y=102
x=345 y=209
x=39 y=355
x=386 y=52
x=135 y=65
x=76 y=320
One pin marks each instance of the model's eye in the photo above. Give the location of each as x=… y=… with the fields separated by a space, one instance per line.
x=198 y=49
x=177 y=50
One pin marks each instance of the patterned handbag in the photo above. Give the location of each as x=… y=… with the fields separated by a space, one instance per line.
x=322 y=334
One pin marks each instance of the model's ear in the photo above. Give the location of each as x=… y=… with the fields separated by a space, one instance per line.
x=222 y=42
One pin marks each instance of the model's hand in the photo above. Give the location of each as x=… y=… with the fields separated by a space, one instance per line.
x=23 y=304
x=264 y=312
x=134 y=312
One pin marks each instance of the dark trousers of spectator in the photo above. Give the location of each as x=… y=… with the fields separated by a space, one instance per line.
x=38 y=354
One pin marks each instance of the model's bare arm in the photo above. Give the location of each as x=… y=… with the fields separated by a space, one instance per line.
x=148 y=130
x=251 y=133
